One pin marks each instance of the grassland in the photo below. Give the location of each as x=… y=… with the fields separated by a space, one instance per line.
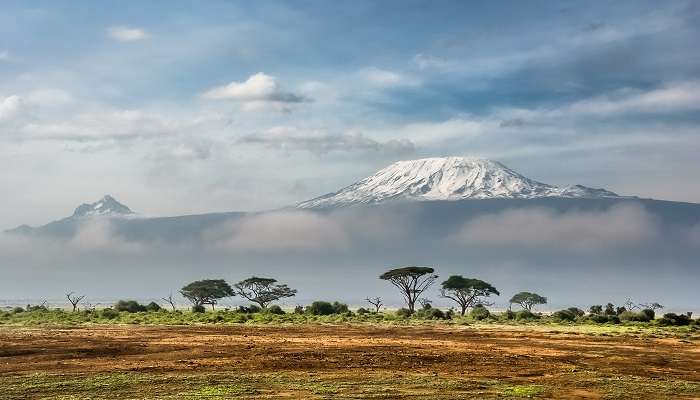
x=230 y=355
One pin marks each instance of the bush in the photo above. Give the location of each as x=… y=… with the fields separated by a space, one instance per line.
x=362 y=311
x=198 y=309
x=643 y=316
x=153 y=306
x=299 y=310
x=429 y=313
x=251 y=309
x=565 y=315
x=576 y=311
x=509 y=314
x=525 y=314
x=649 y=313
x=326 y=308
x=109 y=313
x=17 y=310
x=674 y=319
x=131 y=306
x=479 y=313
x=320 y=308
x=340 y=308
x=403 y=312
x=275 y=309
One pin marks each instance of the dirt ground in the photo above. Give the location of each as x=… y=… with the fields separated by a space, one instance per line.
x=342 y=361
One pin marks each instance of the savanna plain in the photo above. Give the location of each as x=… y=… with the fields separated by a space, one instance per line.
x=144 y=356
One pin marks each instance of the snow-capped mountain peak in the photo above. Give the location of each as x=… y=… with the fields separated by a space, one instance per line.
x=105 y=206
x=448 y=178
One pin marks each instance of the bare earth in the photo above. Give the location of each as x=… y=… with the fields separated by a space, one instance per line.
x=342 y=361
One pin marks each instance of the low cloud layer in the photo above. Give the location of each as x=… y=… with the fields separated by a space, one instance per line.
x=623 y=226
x=293 y=231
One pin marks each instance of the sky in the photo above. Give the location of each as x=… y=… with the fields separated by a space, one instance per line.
x=179 y=108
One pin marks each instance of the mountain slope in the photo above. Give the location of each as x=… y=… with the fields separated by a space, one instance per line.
x=449 y=178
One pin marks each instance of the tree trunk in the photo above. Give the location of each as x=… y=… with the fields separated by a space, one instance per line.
x=464 y=309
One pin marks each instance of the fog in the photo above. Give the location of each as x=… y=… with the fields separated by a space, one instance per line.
x=576 y=256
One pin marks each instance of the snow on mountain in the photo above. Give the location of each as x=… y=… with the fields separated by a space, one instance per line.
x=106 y=206
x=448 y=178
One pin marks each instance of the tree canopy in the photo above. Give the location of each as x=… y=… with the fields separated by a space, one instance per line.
x=263 y=291
x=527 y=300
x=467 y=292
x=207 y=291
x=411 y=281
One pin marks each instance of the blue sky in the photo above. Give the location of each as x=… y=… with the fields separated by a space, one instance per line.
x=183 y=107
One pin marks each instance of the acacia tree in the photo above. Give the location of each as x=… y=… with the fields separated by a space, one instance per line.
x=527 y=300
x=263 y=291
x=207 y=291
x=467 y=292
x=376 y=302
x=74 y=300
x=411 y=281
x=169 y=300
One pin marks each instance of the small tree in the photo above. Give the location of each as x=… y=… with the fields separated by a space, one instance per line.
x=207 y=291
x=376 y=302
x=263 y=291
x=169 y=300
x=466 y=292
x=74 y=300
x=527 y=300
x=597 y=309
x=411 y=281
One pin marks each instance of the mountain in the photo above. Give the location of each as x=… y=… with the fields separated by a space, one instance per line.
x=106 y=206
x=448 y=178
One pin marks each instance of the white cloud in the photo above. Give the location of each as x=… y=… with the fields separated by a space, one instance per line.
x=282 y=231
x=49 y=97
x=290 y=138
x=620 y=226
x=382 y=77
x=126 y=34
x=10 y=107
x=259 y=91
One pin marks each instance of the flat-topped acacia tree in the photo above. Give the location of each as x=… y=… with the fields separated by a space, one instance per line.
x=208 y=291
x=467 y=292
x=412 y=281
x=527 y=300
x=263 y=291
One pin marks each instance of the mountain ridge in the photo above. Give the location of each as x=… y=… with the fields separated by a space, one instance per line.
x=447 y=178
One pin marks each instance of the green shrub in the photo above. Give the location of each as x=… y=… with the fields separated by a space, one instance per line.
x=131 y=306
x=565 y=315
x=525 y=315
x=430 y=313
x=275 y=309
x=299 y=310
x=320 y=308
x=576 y=311
x=327 y=308
x=649 y=313
x=340 y=308
x=479 y=313
x=251 y=309
x=153 y=306
x=109 y=313
x=509 y=314
x=17 y=310
x=198 y=308
x=403 y=313
x=641 y=316
x=362 y=311
x=674 y=320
